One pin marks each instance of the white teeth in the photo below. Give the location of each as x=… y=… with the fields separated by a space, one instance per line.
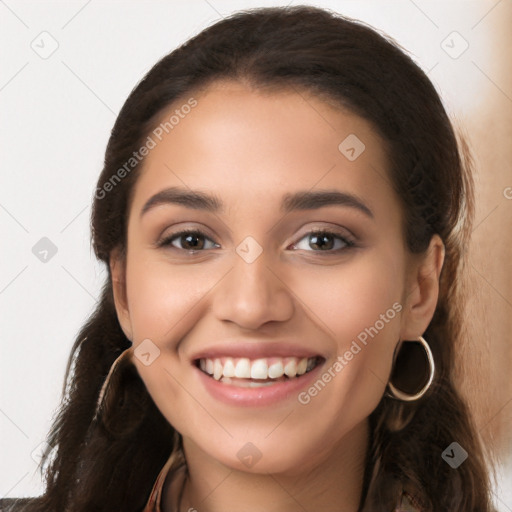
x=290 y=368
x=229 y=368
x=217 y=369
x=272 y=368
x=259 y=369
x=276 y=370
x=243 y=369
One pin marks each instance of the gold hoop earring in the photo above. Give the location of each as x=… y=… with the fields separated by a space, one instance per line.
x=400 y=394
x=124 y=357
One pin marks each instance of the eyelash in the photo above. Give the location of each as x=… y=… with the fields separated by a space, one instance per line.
x=349 y=243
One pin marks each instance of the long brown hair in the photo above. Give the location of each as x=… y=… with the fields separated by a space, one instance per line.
x=111 y=464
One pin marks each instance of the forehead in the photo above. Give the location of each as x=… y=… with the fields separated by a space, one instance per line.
x=243 y=143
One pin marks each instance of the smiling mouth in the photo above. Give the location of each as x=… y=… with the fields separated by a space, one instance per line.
x=245 y=372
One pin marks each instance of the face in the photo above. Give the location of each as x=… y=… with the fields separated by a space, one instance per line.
x=268 y=312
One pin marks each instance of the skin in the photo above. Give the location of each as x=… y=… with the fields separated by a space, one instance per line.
x=250 y=148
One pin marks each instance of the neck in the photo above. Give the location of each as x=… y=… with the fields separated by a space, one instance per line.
x=333 y=485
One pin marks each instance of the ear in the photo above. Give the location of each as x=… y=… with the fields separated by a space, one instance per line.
x=422 y=289
x=117 y=263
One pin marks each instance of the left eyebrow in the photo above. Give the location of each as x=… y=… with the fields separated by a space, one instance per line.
x=309 y=200
x=302 y=200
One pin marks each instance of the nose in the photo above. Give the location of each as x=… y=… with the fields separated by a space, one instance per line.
x=252 y=294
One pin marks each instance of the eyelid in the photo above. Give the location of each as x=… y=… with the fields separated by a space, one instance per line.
x=343 y=233
x=185 y=227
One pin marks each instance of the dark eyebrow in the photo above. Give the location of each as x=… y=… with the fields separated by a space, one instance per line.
x=188 y=198
x=309 y=200
x=302 y=200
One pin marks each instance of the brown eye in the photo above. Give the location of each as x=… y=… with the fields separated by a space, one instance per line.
x=190 y=240
x=325 y=241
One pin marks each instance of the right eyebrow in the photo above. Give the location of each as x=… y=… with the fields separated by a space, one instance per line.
x=188 y=198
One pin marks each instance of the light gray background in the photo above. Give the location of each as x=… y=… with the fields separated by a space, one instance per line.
x=56 y=116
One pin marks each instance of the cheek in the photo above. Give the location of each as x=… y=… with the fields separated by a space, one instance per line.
x=165 y=299
x=349 y=299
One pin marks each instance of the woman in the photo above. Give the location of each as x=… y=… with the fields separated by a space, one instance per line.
x=282 y=212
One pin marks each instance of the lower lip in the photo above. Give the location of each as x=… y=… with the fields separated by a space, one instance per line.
x=260 y=396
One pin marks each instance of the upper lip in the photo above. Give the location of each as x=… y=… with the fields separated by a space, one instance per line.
x=255 y=350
